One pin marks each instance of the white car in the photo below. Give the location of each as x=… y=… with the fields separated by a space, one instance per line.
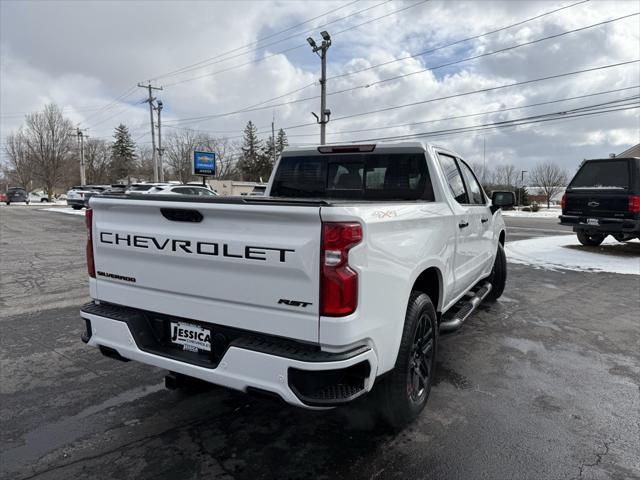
x=38 y=196
x=340 y=278
x=183 y=190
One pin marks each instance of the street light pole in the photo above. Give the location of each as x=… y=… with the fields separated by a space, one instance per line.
x=321 y=51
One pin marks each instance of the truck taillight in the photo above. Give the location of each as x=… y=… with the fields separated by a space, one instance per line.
x=338 y=282
x=563 y=202
x=634 y=203
x=88 y=220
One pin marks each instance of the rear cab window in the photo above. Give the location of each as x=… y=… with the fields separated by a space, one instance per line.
x=371 y=176
x=603 y=175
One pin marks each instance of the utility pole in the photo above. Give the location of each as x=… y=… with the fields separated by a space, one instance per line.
x=273 y=136
x=521 y=187
x=80 y=136
x=321 y=51
x=484 y=159
x=160 y=149
x=150 y=100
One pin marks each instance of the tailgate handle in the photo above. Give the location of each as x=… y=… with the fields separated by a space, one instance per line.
x=181 y=215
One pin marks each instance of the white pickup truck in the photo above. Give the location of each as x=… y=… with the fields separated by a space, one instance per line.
x=339 y=278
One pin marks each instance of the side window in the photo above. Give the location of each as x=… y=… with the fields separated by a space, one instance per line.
x=183 y=190
x=475 y=191
x=454 y=179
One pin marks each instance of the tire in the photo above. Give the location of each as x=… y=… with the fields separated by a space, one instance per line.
x=403 y=392
x=590 y=240
x=8 y=203
x=498 y=277
x=76 y=207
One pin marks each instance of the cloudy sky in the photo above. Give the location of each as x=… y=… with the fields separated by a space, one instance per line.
x=214 y=58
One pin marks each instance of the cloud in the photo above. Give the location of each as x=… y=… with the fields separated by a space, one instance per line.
x=82 y=55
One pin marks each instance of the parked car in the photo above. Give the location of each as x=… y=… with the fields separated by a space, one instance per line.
x=78 y=196
x=183 y=190
x=340 y=278
x=603 y=198
x=3 y=197
x=143 y=187
x=16 y=194
x=38 y=196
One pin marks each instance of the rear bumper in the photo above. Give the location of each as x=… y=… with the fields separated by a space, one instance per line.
x=605 y=225
x=300 y=374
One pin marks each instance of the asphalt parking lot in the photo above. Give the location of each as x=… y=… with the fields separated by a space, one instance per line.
x=544 y=384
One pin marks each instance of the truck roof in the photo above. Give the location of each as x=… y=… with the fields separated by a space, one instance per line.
x=397 y=147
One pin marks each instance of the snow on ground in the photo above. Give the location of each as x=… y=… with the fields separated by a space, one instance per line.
x=564 y=252
x=67 y=210
x=542 y=213
x=33 y=204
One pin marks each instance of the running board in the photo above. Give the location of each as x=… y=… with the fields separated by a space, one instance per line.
x=456 y=316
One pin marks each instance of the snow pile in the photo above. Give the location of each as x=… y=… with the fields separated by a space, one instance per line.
x=542 y=213
x=67 y=210
x=564 y=252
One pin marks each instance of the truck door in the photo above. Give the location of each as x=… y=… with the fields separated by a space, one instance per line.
x=467 y=260
x=482 y=217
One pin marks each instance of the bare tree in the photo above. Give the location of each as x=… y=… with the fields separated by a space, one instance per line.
x=48 y=140
x=145 y=162
x=97 y=154
x=550 y=178
x=227 y=155
x=179 y=147
x=505 y=174
x=20 y=161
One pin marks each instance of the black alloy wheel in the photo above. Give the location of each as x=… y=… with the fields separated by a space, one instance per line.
x=421 y=360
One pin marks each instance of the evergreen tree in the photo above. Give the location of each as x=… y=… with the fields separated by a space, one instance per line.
x=281 y=141
x=122 y=154
x=255 y=164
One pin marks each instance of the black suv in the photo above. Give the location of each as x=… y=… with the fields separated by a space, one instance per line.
x=604 y=199
x=17 y=194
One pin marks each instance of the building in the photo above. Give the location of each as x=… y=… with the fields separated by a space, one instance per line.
x=631 y=152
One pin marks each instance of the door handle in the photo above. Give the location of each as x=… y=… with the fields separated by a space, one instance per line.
x=463 y=224
x=484 y=220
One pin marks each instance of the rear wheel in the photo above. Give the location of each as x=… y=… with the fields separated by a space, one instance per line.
x=405 y=390
x=590 y=240
x=76 y=207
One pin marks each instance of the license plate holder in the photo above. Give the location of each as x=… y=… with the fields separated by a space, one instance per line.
x=593 y=221
x=190 y=337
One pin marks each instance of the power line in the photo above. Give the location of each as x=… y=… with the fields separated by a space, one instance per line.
x=471 y=92
x=457 y=117
x=398 y=77
x=521 y=22
x=483 y=90
x=212 y=61
x=180 y=70
x=112 y=104
x=251 y=62
x=582 y=111
x=457 y=42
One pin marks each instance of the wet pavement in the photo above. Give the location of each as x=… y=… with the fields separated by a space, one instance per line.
x=544 y=384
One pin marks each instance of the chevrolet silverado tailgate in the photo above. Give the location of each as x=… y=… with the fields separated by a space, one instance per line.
x=246 y=264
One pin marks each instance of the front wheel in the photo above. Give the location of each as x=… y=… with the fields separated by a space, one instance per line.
x=498 y=277
x=404 y=391
x=590 y=240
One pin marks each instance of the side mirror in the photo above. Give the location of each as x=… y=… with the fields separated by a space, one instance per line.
x=502 y=200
